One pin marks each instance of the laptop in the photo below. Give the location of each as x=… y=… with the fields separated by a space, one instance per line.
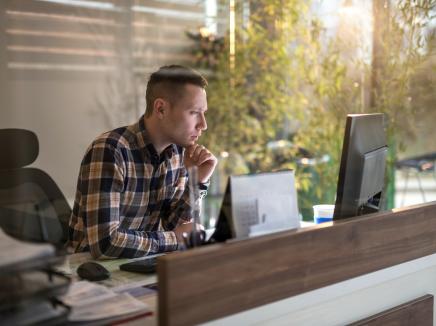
x=257 y=204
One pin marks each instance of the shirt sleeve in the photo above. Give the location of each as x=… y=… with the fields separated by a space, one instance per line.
x=102 y=182
x=180 y=207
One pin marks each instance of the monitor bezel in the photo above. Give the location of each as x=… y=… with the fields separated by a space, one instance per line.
x=364 y=133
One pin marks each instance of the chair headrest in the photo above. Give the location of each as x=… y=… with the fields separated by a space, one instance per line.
x=18 y=148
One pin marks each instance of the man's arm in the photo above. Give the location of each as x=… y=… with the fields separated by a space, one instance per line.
x=180 y=209
x=101 y=185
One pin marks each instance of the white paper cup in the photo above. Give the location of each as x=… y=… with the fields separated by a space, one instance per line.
x=323 y=213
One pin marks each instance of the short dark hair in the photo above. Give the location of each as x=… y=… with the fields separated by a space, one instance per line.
x=168 y=82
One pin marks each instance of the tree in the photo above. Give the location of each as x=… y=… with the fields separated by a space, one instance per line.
x=286 y=69
x=401 y=46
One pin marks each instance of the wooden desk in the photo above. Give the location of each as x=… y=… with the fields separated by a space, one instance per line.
x=333 y=273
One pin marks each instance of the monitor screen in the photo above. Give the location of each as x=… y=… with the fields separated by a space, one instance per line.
x=362 y=169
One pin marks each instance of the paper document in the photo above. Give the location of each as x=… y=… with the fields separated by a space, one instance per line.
x=13 y=251
x=95 y=302
x=80 y=292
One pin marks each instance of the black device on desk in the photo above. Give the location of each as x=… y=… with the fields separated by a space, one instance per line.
x=92 y=271
x=146 y=265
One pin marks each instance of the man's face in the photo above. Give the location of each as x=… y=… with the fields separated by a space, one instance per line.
x=185 y=118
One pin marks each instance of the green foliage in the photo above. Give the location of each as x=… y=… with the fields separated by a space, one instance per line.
x=336 y=91
x=404 y=49
x=207 y=51
x=286 y=70
x=249 y=104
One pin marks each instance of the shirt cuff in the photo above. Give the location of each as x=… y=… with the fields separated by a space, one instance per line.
x=167 y=241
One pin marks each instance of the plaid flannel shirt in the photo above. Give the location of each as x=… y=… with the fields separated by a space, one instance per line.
x=128 y=197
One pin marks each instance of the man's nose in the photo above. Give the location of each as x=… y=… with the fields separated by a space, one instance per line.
x=203 y=124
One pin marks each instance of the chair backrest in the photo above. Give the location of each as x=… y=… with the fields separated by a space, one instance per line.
x=32 y=207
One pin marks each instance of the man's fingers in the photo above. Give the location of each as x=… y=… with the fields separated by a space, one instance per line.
x=204 y=156
x=198 y=155
x=193 y=150
x=197 y=152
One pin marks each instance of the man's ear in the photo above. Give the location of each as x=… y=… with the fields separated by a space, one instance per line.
x=159 y=107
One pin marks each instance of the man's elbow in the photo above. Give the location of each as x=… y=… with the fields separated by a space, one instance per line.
x=103 y=249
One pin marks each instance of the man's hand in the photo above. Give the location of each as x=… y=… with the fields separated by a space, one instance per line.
x=186 y=228
x=205 y=161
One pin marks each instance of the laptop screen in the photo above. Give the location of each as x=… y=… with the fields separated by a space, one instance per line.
x=257 y=204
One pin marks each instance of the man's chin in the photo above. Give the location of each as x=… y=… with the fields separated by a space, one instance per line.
x=186 y=143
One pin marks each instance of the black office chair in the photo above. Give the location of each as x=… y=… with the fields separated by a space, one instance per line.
x=32 y=207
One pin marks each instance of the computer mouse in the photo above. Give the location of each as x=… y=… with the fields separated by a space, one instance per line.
x=92 y=271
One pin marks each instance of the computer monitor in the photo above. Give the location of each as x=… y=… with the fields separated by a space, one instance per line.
x=362 y=169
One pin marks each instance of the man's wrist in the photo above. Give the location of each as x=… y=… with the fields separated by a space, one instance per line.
x=204 y=185
x=202 y=188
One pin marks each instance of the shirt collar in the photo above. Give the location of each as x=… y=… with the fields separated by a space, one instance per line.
x=145 y=142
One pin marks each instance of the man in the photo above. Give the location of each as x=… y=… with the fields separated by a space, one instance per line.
x=132 y=193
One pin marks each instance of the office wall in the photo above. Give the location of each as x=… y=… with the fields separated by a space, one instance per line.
x=69 y=72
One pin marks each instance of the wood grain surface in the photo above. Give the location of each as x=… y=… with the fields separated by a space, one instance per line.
x=218 y=280
x=415 y=312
